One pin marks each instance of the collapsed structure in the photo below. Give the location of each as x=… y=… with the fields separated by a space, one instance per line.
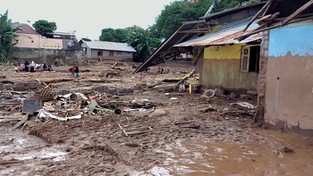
x=265 y=47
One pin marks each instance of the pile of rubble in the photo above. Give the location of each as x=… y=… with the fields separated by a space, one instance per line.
x=47 y=104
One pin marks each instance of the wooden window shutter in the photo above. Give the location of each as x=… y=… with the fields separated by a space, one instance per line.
x=245 y=53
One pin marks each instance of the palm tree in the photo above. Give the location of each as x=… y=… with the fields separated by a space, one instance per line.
x=7 y=36
x=142 y=41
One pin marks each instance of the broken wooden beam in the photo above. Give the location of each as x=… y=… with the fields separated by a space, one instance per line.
x=185 y=122
x=21 y=122
x=137 y=132
x=185 y=77
x=297 y=12
x=265 y=7
x=141 y=128
x=125 y=133
x=114 y=64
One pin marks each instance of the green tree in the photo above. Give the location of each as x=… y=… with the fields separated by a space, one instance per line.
x=44 y=27
x=7 y=37
x=177 y=12
x=142 y=41
x=113 y=35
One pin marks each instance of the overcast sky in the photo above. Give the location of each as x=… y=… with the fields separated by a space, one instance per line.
x=87 y=18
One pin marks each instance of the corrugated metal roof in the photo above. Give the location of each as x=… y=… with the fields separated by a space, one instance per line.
x=113 y=46
x=167 y=45
x=231 y=39
x=63 y=33
x=225 y=35
x=24 y=28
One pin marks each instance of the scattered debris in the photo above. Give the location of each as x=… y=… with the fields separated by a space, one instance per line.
x=21 y=122
x=42 y=114
x=252 y=92
x=210 y=93
x=243 y=104
x=158 y=113
x=207 y=109
x=188 y=124
x=287 y=150
x=134 y=131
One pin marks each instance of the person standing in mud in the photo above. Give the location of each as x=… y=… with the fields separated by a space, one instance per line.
x=76 y=71
x=72 y=71
x=26 y=65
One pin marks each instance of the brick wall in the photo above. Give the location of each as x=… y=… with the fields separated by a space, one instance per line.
x=259 y=118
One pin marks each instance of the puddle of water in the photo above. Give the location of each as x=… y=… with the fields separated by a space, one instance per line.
x=198 y=158
x=42 y=154
x=15 y=144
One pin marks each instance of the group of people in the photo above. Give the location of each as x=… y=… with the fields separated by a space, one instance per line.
x=74 y=71
x=32 y=67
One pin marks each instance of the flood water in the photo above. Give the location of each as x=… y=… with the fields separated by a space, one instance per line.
x=264 y=157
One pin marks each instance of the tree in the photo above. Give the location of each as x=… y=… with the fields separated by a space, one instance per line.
x=113 y=35
x=44 y=27
x=177 y=12
x=142 y=41
x=7 y=37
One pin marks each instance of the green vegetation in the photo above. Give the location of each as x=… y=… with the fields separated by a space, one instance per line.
x=177 y=12
x=44 y=27
x=143 y=41
x=7 y=37
x=146 y=41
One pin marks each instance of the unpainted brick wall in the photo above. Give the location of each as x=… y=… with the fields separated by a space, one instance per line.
x=262 y=77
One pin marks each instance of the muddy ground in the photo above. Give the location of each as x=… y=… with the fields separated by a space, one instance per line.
x=184 y=134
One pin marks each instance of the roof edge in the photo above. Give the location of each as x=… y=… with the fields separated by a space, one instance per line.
x=232 y=10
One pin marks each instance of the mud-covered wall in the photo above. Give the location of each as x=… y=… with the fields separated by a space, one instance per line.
x=45 y=55
x=289 y=78
x=106 y=53
x=221 y=68
x=38 y=42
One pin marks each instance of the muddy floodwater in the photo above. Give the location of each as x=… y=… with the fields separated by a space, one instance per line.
x=274 y=155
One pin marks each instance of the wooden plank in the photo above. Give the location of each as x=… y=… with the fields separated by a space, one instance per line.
x=137 y=132
x=186 y=122
x=125 y=133
x=186 y=77
x=297 y=12
x=136 y=129
x=114 y=64
x=21 y=122
x=258 y=14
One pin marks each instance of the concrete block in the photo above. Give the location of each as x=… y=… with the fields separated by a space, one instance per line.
x=30 y=106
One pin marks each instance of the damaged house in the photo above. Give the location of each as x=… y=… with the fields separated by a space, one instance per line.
x=265 y=47
x=220 y=60
x=286 y=65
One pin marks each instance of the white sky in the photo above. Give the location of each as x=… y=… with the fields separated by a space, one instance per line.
x=86 y=17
